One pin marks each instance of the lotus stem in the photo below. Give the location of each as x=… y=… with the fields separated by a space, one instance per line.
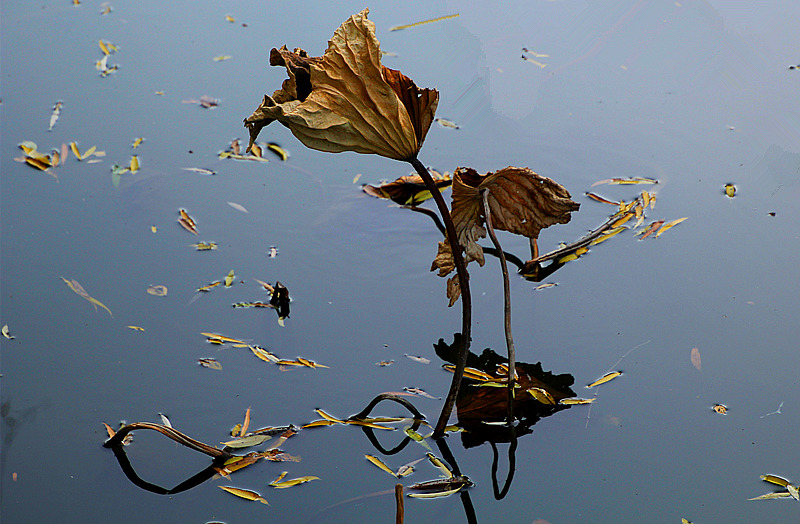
x=466 y=298
x=398 y=497
x=512 y=365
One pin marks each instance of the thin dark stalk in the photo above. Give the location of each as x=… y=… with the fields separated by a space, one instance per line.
x=398 y=497
x=466 y=297
x=512 y=365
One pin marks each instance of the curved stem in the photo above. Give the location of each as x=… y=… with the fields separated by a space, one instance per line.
x=466 y=297
x=512 y=365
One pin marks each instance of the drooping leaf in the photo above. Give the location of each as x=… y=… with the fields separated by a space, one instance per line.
x=605 y=378
x=408 y=190
x=75 y=286
x=346 y=100
x=520 y=201
x=695 y=358
x=378 y=462
x=245 y=494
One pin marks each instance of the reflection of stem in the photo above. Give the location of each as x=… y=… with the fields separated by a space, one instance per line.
x=466 y=501
x=512 y=365
x=466 y=298
x=174 y=434
x=499 y=494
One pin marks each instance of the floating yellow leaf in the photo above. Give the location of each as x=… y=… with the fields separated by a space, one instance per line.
x=722 y=409
x=600 y=199
x=210 y=363
x=730 y=190
x=573 y=401
x=103 y=47
x=89 y=152
x=223 y=338
x=264 y=354
x=187 y=222
x=768 y=496
x=542 y=395
x=318 y=423
x=134 y=164
x=326 y=416
x=415 y=24
x=437 y=462
x=157 y=290
x=136 y=328
x=74 y=147
x=695 y=357
x=205 y=246
x=446 y=123
x=221 y=58
x=380 y=464
x=605 y=378
x=292 y=482
x=606 y=236
x=246 y=423
x=775 y=479
x=54 y=115
x=230 y=18
x=245 y=494
x=366 y=424
x=75 y=286
x=137 y=142
x=153 y=229
x=670 y=224
x=625 y=181
x=7 y=333
x=229 y=278
x=435 y=494
x=208 y=288
x=278 y=150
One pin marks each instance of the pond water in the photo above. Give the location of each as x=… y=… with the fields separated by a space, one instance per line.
x=694 y=94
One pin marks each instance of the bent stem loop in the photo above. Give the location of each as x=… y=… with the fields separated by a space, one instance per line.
x=512 y=365
x=466 y=298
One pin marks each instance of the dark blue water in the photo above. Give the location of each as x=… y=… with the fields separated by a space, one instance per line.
x=695 y=94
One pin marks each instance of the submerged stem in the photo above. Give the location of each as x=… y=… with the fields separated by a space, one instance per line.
x=512 y=365
x=466 y=298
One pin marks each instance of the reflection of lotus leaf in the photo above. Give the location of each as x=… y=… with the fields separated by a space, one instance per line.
x=478 y=405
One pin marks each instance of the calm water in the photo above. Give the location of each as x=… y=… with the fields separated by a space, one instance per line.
x=696 y=94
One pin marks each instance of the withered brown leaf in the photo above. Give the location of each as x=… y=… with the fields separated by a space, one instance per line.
x=346 y=100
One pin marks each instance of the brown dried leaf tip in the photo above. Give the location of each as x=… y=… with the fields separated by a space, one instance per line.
x=520 y=201
x=346 y=100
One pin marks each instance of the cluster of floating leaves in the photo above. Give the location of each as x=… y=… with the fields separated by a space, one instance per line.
x=234 y=151
x=792 y=490
x=258 y=351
